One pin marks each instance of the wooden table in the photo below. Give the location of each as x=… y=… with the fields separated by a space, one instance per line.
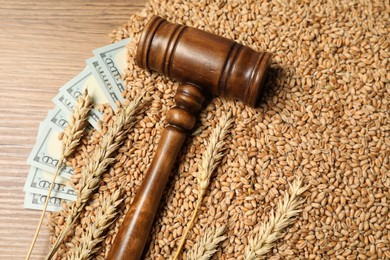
x=43 y=45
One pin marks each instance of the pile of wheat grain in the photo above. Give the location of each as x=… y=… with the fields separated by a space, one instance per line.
x=324 y=117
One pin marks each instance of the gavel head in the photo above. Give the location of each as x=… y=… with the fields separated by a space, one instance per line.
x=217 y=65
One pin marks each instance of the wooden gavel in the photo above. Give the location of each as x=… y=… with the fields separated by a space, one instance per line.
x=205 y=63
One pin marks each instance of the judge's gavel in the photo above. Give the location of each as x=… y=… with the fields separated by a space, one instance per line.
x=204 y=63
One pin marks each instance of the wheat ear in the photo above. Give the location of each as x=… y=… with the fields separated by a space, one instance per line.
x=210 y=161
x=104 y=217
x=101 y=158
x=70 y=140
x=207 y=245
x=270 y=231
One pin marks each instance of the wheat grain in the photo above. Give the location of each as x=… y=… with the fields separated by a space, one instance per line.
x=91 y=238
x=270 y=231
x=71 y=139
x=207 y=244
x=210 y=161
x=101 y=158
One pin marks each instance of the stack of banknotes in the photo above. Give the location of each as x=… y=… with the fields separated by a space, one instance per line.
x=103 y=79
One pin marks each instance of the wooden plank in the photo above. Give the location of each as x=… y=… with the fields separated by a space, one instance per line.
x=43 y=45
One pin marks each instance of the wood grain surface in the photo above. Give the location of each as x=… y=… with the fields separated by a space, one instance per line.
x=43 y=45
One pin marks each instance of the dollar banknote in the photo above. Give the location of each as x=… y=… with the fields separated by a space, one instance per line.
x=113 y=58
x=112 y=92
x=47 y=152
x=38 y=182
x=41 y=126
x=65 y=103
x=103 y=79
x=86 y=80
x=37 y=201
x=58 y=118
x=75 y=87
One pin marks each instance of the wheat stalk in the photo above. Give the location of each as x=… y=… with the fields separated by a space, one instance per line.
x=77 y=124
x=101 y=158
x=287 y=209
x=70 y=140
x=210 y=161
x=206 y=246
x=104 y=217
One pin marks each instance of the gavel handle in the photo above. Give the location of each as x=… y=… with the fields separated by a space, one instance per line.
x=134 y=232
